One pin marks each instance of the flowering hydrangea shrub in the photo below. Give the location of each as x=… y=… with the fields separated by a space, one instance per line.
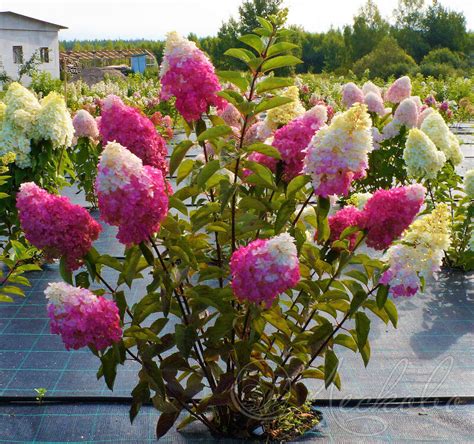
x=56 y=226
x=131 y=196
x=338 y=154
x=126 y=125
x=389 y=212
x=81 y=318
x=187 y=74
x=421 y=156
x=264 y=269
x=419 y=254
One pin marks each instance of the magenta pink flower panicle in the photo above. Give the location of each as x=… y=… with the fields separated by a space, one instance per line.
x=131 y=196
x=264 y=269
x=81 y=318
x=56 y=226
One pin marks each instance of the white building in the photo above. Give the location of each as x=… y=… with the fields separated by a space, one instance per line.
x=21 y=37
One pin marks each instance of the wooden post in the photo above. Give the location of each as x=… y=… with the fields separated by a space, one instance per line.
x=65 y=78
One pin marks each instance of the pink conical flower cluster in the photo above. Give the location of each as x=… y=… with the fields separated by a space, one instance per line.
x=56 y=226
x=131 y=196
x=136 y=132
x=81 y=318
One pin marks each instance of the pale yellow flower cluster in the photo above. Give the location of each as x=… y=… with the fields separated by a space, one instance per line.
x=281 y=115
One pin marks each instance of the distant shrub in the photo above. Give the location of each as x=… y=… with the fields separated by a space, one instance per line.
x=387 y=59
x=42 y=83
x=442 y=63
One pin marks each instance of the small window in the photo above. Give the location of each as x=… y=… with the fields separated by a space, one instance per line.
x=18 y=54
x=44 y=55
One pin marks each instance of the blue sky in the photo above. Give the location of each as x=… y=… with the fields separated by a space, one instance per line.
x=152 y=19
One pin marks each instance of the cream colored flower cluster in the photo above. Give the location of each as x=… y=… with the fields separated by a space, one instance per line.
x=421 y=157
x=436 y=129
x=25 y=118
x=281 y=115
x=469 y=183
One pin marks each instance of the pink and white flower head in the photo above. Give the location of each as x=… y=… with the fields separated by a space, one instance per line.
x=407 y=113
x=292 y=139
x=131 y=196
x=264 y=269
x=85 y=125
x=351 y=94
x=399 y=90
x=187 y=74
x=127 y=126
x=56 y=226
x=231 y=116
x=81 y=318
x=374 y=103
x=389 y=212
x=369 y=87
x=338 y=153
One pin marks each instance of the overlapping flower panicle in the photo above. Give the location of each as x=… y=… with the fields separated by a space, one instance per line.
x=127 y=126
x=419 y=254
x=264 y=269
x=187 y=74
x=230 y=115
x=370 y=87
x=3 y=108
x=389 y=212
x=338 y=153
x=292 y=139
x=399 y=90
x=56 y=226
x=53 y=121
x=19 y=115
x=82 y=318
x=407 y=113
x=351 y=94
x=436 y=129
x=281 y=115
x=469 y=183
x=349 y=216
x=421 y=157
x=131 y=196
x=374 y=103
x=85 y=125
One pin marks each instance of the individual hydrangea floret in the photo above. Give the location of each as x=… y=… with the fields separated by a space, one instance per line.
x=127 y=126
x=56 y=226
x=187 y=74
x=264 y=269
x=421 y=157
x=419 y=254
x=389 y=212
x=81 y=318
x=131 y=196
x=338 y=153
x=399 y=90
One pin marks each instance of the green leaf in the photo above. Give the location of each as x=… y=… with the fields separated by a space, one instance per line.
x=178 y=204
x=322 y=219
x=147 y=253
x=272 y=83
x=280 y=62
x=184 y=169
x=185 y=337
x=267 y=104
x=241 y=54
x=330 y=367
x=300 y=393
x=280 y=47
x=365 y=353
x=262 y=148
x=253 y=41
x=178 y=154
x=265 y=23
x=357 y=301
x=277 y=321
x=165 y=422
x=356 y=274
x=346 y=341
x=391 y=311
x=214 y=133
x=284 y=213
x=362 y=328
x=207 y=171
x=296 y=184
x=235 y=78
x=64 y=271
x=382 y=295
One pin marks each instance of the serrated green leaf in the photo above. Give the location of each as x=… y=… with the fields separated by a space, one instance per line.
x=280 y=62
